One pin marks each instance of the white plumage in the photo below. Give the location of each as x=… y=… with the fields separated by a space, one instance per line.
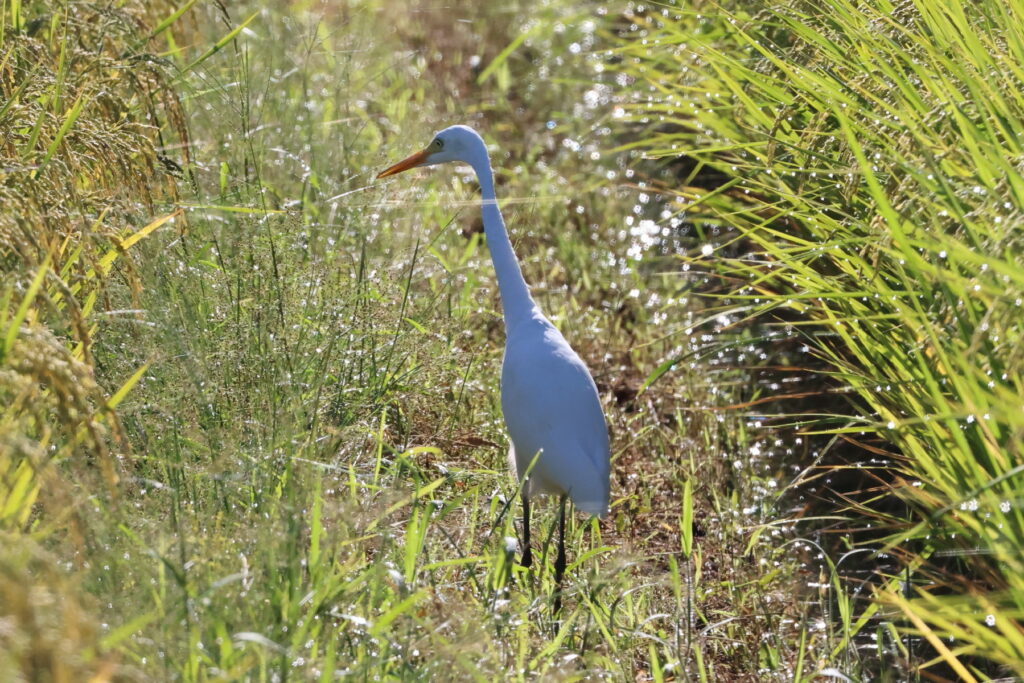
x=551 y=407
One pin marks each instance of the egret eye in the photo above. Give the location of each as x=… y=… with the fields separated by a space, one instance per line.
x=438 y=143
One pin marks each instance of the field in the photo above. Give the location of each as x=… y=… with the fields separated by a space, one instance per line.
x=251 y=425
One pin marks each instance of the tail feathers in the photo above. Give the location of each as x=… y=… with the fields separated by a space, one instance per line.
x=593 y=502
x=591 y=506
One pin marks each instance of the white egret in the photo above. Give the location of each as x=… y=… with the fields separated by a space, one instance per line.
x=549 y=400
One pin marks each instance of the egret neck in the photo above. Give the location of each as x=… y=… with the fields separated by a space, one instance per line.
x=516 y=302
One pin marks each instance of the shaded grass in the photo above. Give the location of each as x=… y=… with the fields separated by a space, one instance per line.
x=870 y=161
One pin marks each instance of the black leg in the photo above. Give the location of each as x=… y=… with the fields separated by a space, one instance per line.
x=560 y=560
x=527 y=552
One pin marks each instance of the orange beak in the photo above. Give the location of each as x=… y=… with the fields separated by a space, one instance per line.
x=405 y=164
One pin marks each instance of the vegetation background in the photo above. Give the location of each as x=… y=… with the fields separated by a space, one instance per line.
x=250 y=427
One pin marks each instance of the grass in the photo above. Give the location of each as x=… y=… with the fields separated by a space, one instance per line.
x=868 y=157
x=264 y=439
x=355 y=521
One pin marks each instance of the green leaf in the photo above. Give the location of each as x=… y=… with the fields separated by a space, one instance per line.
x=503 y=56
x=69 y=121
x=26 y=302
x=686 y=523
x=220 y=43
x=381 y=625
x=120 y=394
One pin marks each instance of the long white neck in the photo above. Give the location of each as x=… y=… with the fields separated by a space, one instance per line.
x=515 y=295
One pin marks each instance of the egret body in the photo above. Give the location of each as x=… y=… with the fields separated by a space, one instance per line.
x=548 y=398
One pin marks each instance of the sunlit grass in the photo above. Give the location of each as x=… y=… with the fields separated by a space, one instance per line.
x=869 y=157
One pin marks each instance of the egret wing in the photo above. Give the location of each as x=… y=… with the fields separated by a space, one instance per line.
x=551 y=406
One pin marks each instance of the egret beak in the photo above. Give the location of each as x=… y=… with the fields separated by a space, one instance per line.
x=417 y=159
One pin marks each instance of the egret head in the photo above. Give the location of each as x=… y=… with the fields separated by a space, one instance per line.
x=456 y=143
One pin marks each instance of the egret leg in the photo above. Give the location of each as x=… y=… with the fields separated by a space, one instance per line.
x=527 y=552
x=560 y=560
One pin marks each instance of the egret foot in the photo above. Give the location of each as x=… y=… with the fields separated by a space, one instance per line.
x=560 y=560
x=527 y=560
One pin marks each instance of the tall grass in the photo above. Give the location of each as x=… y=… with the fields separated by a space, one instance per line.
x=324 y=465
x=870 y=156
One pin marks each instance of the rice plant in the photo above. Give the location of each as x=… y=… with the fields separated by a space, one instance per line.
x=80 y=177
x=869 y=156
